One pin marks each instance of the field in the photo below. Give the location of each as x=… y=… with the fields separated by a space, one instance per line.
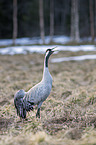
x=68 y=116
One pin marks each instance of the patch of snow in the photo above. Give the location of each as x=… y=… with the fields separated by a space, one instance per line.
x=41 y=49
x=74 y=58
x=35 y=40
x=62 y=39
x=23 y=50
x=87 y=39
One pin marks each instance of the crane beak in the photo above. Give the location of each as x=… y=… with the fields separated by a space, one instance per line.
x=52 y=49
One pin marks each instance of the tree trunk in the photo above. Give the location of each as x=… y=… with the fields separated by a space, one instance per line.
x=14 y=21
x=41 y=21
x=75 y=21
x=63 y=16
x=51 y=19
x=91 y=19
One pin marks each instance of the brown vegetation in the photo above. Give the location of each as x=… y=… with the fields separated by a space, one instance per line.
x=68 y=116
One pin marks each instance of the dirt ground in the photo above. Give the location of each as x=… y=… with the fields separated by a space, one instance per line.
x=68 y=116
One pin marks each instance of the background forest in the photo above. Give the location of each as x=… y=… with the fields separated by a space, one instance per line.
x=57 y=17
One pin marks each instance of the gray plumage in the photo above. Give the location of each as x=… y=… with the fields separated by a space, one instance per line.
x=19 y=104
x=24 y=101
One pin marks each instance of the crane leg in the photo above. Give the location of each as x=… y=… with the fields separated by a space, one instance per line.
x=38 y=113
x=38 y=110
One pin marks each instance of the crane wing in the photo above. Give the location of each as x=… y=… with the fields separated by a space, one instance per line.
x=19 y=104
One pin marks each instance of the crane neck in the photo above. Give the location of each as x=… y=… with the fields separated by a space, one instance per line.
x=46 y=72
x=46 y=60
x=46 y=75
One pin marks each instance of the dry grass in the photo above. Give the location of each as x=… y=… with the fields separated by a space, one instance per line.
x=68 y=116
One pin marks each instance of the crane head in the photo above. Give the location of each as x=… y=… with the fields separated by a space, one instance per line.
x=50 y=51
x=19 y=104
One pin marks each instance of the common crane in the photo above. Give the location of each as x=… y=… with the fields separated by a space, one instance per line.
x=24 y=101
